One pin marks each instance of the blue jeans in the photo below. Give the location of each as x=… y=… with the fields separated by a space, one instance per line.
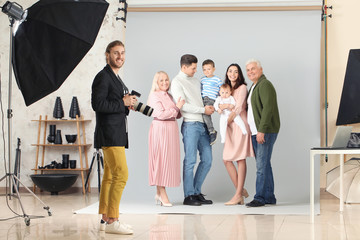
x=195 y=138
x=264 y=175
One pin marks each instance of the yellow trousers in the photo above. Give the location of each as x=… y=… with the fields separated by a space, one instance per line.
x=114 y=180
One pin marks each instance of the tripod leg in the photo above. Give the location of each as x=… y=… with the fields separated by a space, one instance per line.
x=19 y=164
x=17 y=168
x=45 y=206
x=88 y=175
x=98 y=165
x=26 y=217
x=102 y=161
x=15 y=172
x=3 y=177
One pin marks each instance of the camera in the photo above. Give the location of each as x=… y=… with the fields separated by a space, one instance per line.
x=140 y=107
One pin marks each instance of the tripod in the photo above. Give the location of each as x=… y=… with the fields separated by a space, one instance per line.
x=17 y=163
x=11 y=178
x=99 y=160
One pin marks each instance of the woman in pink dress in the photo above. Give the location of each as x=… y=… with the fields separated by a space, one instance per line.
x=164 y=144
x=237 y=146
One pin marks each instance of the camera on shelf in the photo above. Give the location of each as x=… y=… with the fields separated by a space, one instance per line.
x=140 y=107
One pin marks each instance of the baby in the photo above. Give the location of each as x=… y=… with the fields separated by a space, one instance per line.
x=226 y=98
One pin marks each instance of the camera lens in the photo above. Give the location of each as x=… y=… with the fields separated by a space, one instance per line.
x=144 y=109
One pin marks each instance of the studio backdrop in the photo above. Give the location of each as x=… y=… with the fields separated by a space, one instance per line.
x=288 y=45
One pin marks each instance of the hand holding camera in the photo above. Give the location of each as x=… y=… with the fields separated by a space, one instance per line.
x=129 y=100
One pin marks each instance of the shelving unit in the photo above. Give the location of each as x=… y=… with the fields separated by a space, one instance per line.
x=42 y=145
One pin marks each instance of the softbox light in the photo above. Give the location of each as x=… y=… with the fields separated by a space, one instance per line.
x=52 y=41
x=349 y=108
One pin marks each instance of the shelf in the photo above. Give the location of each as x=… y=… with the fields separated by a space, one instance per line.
x=41 y=146
x=61 y=169
x=62 y=120
x=61 y=145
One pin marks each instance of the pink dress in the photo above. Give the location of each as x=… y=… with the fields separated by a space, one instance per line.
x=164 y=143
x=238 y=146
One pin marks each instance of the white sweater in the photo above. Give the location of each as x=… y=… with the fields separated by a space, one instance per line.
x=188 y=88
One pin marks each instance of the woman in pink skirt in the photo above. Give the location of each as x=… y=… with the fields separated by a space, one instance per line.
x=164 y=143
x=237 y=145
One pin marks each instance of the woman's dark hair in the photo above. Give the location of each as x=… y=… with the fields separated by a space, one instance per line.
x=239 y=81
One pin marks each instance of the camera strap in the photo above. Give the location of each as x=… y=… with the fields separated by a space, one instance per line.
x=126 y=90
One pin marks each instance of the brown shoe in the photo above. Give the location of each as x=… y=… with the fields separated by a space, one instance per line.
x=238 y=201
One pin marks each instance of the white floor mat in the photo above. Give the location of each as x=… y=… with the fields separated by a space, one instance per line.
x=216 y=208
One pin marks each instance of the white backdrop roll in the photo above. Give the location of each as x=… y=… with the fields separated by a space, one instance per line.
x=288 y=45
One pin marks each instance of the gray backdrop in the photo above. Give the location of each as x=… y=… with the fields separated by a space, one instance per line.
x=288 y=45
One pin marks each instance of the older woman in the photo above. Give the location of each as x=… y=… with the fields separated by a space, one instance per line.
x=237 y=145
x=164 y=145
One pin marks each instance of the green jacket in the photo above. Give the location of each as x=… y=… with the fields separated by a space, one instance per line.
x=264 y=106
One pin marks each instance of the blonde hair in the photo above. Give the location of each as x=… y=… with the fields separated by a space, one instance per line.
x=155 y=85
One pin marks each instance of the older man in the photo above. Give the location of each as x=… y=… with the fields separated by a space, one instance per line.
x=264 y=121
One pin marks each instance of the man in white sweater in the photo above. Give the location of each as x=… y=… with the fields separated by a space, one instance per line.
x=195 y=134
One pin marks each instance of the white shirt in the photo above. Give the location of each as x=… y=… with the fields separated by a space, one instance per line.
x=250 y=115
x=188 y=88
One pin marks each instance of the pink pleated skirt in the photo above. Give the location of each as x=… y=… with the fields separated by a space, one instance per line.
x=164 y=154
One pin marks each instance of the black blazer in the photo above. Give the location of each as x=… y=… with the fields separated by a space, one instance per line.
x=107 y=101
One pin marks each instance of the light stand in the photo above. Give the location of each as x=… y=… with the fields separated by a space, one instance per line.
x=15 y=13
x=97 y=154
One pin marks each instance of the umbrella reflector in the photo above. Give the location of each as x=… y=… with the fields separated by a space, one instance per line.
x=52 y=41
x=351 y=181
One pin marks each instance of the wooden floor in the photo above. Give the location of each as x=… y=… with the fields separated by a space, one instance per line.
x=63 y=224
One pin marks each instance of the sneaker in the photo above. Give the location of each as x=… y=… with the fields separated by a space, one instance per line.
x=255 y=203
x=213 y=137
x=102 y=225
x=118 y=228
x=128 y=226
x=200 y=197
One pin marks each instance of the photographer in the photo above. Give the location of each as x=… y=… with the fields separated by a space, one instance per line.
x=111 y=101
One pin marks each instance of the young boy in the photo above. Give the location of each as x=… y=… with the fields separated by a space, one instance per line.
x=226 y=98
x=210 y=86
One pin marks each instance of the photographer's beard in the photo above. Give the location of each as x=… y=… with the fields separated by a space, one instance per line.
x=115 y=64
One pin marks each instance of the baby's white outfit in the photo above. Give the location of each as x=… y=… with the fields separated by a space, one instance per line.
x=225 y=115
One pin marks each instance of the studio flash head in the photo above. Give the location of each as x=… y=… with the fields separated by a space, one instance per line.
x=140 y=107
x=14 y=11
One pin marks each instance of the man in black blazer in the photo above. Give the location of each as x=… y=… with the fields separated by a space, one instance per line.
x=111 y=101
